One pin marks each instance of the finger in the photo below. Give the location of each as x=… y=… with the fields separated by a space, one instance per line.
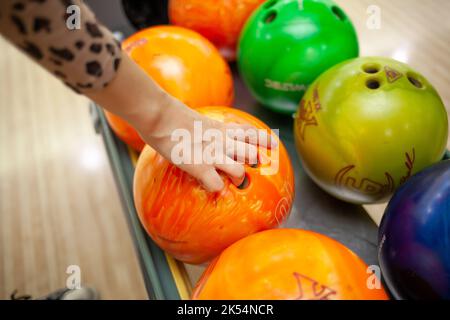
x=242 y=132
x=206 y=175
x=250 y=134
x=211 y=180
x=235 y=171
x=267 y=139
x=242 y=152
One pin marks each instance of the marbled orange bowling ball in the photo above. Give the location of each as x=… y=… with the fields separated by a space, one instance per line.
x=220 y=21
x=287 y=264
x=194 y=225
x=183 y=63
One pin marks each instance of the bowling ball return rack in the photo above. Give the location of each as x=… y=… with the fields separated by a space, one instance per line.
x=313 y=209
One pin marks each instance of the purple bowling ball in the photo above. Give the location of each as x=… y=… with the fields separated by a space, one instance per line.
x=414 y=236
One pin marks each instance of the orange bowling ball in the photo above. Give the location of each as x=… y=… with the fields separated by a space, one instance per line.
x=194 y=225
x=220 y=21
x=287 y=264
x=125 y=131
x=183 y=63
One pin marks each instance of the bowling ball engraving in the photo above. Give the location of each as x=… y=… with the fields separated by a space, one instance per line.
x=365 y=126
x=287 y=264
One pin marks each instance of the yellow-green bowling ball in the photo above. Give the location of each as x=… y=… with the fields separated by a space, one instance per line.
x=368 y=124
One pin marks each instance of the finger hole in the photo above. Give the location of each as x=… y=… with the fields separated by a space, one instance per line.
x=255 y=165
x=245 y=184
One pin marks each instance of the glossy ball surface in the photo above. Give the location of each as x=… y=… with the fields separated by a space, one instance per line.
x=125 y=131
x=183 y=63
x=194 y=225
x=284 y=47
x=287 y=264
x=414 y=237
x=220 y=21
x=365 y=126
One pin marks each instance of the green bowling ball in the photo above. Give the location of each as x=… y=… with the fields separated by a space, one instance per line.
x=286 y=44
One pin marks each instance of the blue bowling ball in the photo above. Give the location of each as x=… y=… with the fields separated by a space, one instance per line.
x=414 y=236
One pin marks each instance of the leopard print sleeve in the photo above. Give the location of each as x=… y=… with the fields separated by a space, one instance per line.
x=84 y=58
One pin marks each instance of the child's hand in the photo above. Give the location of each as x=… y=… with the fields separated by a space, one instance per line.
x=155 y=114
x=178 y=116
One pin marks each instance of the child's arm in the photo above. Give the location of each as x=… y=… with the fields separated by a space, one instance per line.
x=91 y=62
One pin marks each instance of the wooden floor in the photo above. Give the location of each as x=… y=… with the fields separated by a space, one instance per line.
x=58 y=202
